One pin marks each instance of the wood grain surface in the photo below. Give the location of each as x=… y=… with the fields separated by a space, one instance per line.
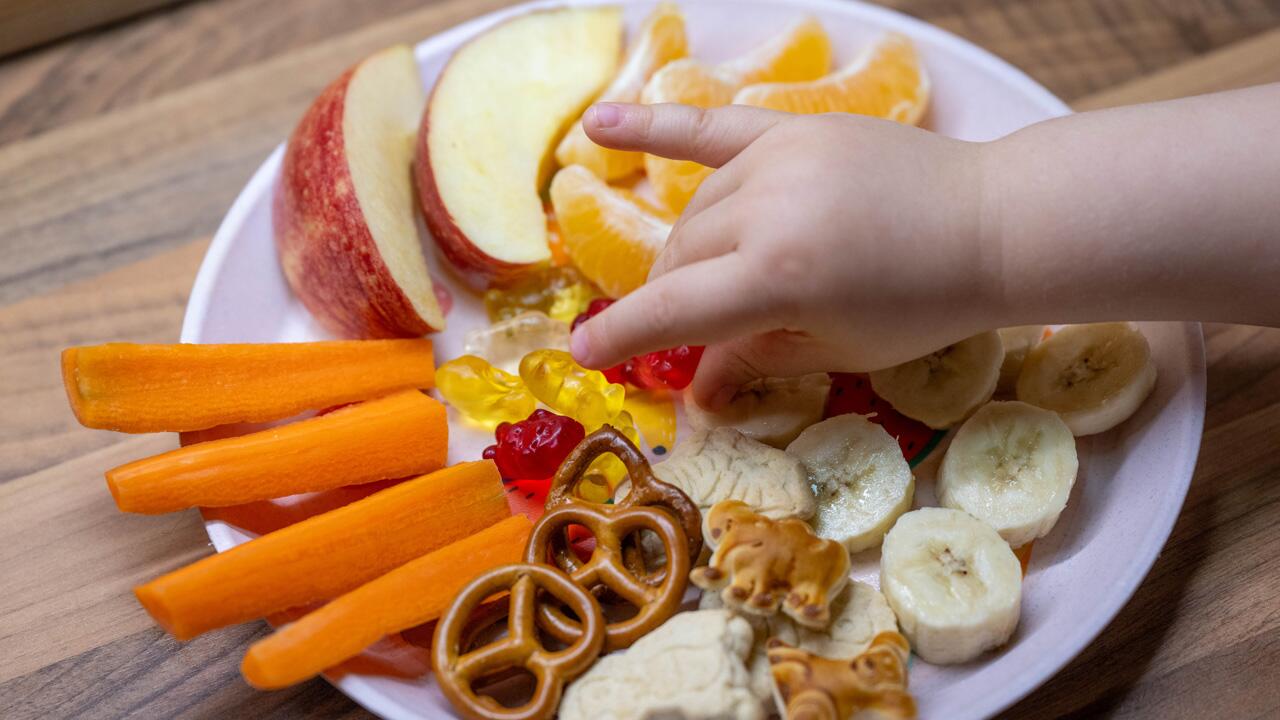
x=121 y=149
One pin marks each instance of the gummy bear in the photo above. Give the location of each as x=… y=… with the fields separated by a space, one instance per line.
x=570 y=389
x=482 y=392
x=606 y=472
x=560 y=292
x=671 y=369
x=505 y=343
x=655 y=416
x=533 y=448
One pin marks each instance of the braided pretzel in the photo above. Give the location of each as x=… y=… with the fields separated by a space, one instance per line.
x=646 y=491
x=458 y=667
x=611 y=524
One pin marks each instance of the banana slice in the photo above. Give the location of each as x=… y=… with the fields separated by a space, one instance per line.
x=858 y=614
x=1017 y=342
x=943 y=387
x=1094 y=376
x=1012 y=466
x=859 y=476
x=953 y=582
x=771 y=410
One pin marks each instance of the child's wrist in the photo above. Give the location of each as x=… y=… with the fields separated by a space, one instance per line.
x=989 y=234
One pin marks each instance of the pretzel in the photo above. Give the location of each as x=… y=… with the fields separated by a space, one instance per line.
x=606 y=569
x=758 y=562
x=646 y=491
x=813 y=687
x=459 y=666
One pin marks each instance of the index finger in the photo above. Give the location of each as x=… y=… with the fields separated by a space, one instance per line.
x=696 y=304
x=710 y=137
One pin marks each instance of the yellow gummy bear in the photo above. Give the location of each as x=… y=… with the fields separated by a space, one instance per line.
x=484 y=393
x=570 y=389
x=606 y=472
x=655 y=415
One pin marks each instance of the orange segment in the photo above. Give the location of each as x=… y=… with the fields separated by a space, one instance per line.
x=662 y=39
x=801 y=53
x=659 y=211
x=611 y=239
x=887 y=81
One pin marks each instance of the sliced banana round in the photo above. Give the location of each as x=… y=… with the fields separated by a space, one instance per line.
x=858 y=614
x=943 y=387
x=1094 y=376
x=771 y=410
x=859 y=476
x=1017 y=342
x=953 y=583
x=1012 y=466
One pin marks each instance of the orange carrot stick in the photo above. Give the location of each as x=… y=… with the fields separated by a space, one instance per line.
x=400 y=655
x=400 y=435
x=327 y=555
x=418 y=591
x=159 y=388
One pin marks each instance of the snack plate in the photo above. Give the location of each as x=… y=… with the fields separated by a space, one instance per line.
x=1132 y=481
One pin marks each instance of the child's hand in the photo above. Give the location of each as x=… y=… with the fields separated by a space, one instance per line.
x=832 y=242
x=838 y=242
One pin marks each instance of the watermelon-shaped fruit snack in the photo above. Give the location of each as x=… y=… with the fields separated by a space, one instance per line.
x=852 y=393
x=527 y=496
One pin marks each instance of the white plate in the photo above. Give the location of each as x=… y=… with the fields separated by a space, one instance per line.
x=1132 y=481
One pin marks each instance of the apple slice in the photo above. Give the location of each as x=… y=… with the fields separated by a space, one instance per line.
x=344 y=217
x=485 y=145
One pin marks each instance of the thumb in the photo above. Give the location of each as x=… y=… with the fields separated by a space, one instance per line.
x=710 y=137
x=726 y=367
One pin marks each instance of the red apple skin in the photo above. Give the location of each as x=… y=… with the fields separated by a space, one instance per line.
x=475 y=267
x=328 y=254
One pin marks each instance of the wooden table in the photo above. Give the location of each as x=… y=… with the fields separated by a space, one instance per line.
x=121 y=149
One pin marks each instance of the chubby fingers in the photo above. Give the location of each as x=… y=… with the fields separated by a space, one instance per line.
x=692 y=305
x=711 y=137
x=713 y=232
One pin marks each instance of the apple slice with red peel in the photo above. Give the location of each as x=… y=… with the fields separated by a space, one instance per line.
x=344 y=218
x=485 y=145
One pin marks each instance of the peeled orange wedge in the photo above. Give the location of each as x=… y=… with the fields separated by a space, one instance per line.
x=662 y=39
x=887 y=81
x=611 y=238
x=802 y=53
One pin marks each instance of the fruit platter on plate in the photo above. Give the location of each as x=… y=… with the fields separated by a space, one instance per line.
x=406 y=473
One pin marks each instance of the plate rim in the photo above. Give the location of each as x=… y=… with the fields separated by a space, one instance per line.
x=361 y=691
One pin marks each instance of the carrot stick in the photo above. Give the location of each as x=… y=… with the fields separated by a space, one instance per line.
x=158 y=388
x=327 y=555
x=266 y=516
x=413 y=593
x=400 y=655
x=400 y=435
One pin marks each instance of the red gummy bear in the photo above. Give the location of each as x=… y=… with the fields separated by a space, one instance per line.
x=666 y=369
x=533 y=448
